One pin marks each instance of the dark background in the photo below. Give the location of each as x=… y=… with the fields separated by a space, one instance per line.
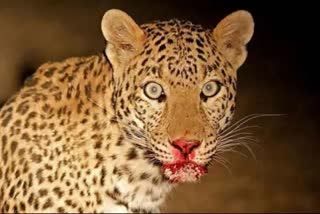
x=279 y=76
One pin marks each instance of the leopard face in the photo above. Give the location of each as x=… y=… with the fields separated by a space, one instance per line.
x=175 y=84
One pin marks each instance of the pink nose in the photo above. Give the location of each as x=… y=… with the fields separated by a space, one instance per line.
x=185 y=146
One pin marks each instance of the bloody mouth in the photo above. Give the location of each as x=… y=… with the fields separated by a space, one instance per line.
x=186 y=171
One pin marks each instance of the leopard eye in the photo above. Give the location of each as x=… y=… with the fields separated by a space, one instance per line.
x=153 y=90
x=211 y=88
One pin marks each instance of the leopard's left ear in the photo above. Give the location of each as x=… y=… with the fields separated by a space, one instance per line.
x=124 y=37
x=232 y=35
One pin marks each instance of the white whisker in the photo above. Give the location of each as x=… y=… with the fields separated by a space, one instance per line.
x=234 y=131
x=246 y=134
x=223 y=163
x=233 y=151
x=236 y=123
x=229 y=142
x=245 y=120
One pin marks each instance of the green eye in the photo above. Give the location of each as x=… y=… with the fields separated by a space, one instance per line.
x=211 y=88
x=153 y=90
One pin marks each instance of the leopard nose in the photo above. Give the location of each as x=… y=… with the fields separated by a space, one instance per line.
x=185 y=146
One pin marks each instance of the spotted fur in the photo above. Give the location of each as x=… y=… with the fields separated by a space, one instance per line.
x=81 y=135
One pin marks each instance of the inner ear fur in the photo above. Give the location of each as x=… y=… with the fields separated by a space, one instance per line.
x=124 y=37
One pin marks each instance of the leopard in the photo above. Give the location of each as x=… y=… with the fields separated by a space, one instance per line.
x=116 y=131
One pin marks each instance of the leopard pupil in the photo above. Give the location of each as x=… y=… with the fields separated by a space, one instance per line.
x=154 y=89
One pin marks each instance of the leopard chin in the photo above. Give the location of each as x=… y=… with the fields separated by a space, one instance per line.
x=186 y=171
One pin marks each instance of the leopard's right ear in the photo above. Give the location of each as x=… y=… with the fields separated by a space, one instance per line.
x=232 y=35
x=124 y=37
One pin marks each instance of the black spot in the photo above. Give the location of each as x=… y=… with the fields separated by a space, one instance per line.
x=97 y=145
x=189 y=40
x=155 y=180
x=46 y=85
x=5 y=157
x=230 y=96
x=116 y=191
x=115 y=170
x=49 y=72
x=170 y=41
x=13 y=146
x=4 y=141
x=199 y=43
x=68 y=202
x=200 y=51
x=120 y=141
x=88 y=90
x=227 y=120
x=6 y=120
x=43 y=192
x=234 y=86
x=23 y=107
x=12 y=191
x=170 y=59
x=202 y=58
x=36 y=158
x=15 y=209
x=162 y=47
x=223 y=72
x=61 y=210
x=31 y=198
x=22 y=206
x=148 y=51
x=132 y=154
x=21 y=152
x=159 y=41
x=232 y=108
x=103 y=174
x=48 y=167
x=58 y=192
x=144 y=176
x=161 y=58
x=144 y=62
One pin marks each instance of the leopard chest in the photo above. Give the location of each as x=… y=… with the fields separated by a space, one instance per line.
x=135 y=197
x=133 y=184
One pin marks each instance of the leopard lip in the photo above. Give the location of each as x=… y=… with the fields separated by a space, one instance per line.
x=183 y=171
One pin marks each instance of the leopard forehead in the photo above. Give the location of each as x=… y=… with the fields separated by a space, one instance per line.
x=178 y=48
x=172 y=27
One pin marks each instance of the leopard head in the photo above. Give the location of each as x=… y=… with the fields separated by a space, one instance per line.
x=175 y=86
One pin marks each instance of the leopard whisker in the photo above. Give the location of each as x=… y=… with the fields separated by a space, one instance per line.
x=229 y=142
x=240 y=142
x=235 y=131
x=232 y=126
x=244 y=120
x=234 y=136
x=233 y=151
x=223 y=163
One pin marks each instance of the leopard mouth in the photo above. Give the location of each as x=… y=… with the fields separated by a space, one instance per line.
x=179 y=171
x=186 y=171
